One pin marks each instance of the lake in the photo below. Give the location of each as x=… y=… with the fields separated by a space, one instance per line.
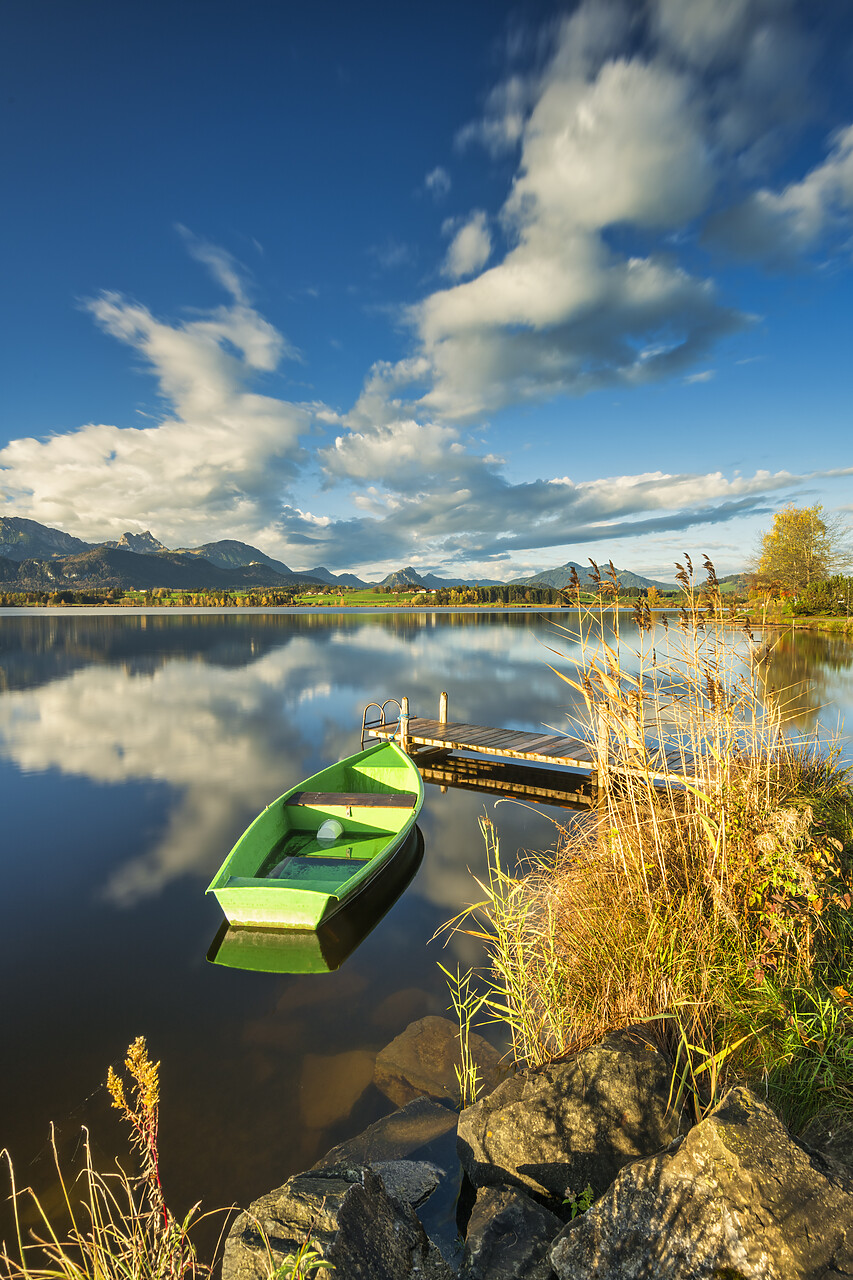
x=134 y=749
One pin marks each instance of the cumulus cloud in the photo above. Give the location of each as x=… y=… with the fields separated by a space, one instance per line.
x=607 y=140
x=470 y=247
x=631 y=122
x=222 y=456
x=422 y=492
x=779 y=226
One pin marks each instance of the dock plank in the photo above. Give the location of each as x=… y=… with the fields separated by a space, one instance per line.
x=535 y=747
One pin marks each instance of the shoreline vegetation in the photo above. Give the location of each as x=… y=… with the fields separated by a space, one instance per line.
x=715 y=909
x=712 y=908
x=755 y=610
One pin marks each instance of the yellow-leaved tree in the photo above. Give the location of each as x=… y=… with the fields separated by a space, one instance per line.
x=804 y=545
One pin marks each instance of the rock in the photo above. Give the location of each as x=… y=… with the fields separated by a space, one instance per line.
x=572 y=1123
x=401 y=1134
x=354 y=1224
x=306 y=1202
x=509 y=1237
x=831 y=1135
x=426 y=1131
x=332 y=1084
x=402 y=1007
x=380 y=1238
x=737 y=1198
x=423 y=1058
x=411 y=1180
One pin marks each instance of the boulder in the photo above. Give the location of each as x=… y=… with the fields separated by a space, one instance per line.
x=423 y=1059
x=399 y=1135
x=573 y=1123
x=509 y=1237
x=832 y=1135
x=737 y=1197
x=410 y=1180
x=365 y=1233
x=421 y=1134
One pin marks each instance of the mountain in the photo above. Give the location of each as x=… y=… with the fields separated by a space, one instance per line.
x=410 y=577
x=430 y=580
x=142 y=543
x=229 y=554
x=22 y=539
x=338 y=579
x=109 y=567
x=561 y=577
x=401 y=578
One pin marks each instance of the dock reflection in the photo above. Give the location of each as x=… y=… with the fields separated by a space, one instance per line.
x=563 y=788
x=325 y=949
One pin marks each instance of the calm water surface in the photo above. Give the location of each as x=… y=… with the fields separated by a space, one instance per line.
x=134 y=749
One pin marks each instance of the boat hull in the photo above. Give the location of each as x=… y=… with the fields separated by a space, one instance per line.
x=287 y=872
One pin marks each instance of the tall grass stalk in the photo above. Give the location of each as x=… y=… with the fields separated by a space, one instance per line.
x=117 y=1225
x=709 y=892
x=467 y=1003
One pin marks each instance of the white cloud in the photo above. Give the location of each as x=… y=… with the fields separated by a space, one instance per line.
x=782 y=225
x=470 y=247
x=703 y=31
x=704 y=375
x=437 y=182
x=607 y=141
x=398 y=455
x=223 y=457
x=222 y=265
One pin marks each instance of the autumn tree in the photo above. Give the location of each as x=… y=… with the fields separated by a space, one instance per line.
x=804 y=545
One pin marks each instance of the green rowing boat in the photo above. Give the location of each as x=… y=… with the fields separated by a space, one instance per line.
x=320 y=844
x=325 y=949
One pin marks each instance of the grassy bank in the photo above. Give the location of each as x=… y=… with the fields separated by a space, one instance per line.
x=718 y=910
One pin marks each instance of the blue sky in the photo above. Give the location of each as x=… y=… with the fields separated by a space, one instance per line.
x=479 y=288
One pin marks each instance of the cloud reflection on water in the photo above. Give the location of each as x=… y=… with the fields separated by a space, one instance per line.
x=229 y=718
x=229 y=711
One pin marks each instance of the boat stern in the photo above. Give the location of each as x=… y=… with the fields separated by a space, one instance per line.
x=249 y=901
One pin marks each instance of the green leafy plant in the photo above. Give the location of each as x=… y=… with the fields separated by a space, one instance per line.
x=580 y=1202
x=306 y=1263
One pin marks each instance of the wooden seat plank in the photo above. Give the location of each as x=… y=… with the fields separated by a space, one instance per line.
x=355 y=799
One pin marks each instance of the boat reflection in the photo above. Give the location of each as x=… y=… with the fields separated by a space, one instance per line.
x=325 y=949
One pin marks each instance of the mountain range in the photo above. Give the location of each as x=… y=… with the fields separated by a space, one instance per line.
x=35 y=556
x=562 y=577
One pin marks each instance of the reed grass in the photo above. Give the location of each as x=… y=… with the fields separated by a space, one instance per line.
x=466 y=1002
x=117 y=1225
x=709 y=893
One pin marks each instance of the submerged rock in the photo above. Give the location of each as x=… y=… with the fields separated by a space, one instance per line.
x=509 y=1237
x=332 y=1084
x=353 y=1221
x=423 y=1060
x=737 y=1198
x=573 y=1123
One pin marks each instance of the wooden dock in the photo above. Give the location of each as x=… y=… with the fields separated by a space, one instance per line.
x=507 y=744
x=572 y=779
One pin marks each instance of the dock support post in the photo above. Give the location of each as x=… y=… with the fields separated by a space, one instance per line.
x=404 y=725
x=442 y=719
